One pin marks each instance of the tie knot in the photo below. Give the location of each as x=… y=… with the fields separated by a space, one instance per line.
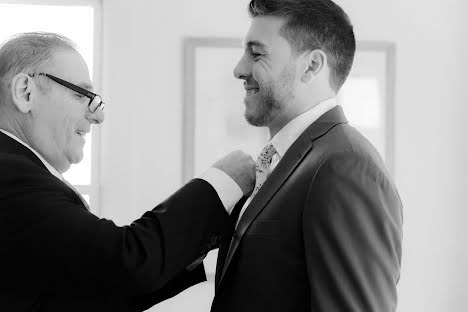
x=264 y=159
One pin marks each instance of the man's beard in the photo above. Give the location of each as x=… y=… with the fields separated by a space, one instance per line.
x=267 y=109
x=272 y=99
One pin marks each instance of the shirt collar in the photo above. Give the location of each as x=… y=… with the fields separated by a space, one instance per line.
x=49 y=167
x=289 y=133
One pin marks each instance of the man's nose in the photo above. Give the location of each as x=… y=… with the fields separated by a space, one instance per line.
x=97 y=117
x=242 y=71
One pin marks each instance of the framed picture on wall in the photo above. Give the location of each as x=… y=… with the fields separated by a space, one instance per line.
x=213 y=109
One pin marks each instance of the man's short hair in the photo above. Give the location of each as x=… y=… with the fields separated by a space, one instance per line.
x=311 y=25
x=25 y=52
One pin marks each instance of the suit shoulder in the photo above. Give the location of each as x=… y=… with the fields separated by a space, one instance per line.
x=352 y=163
x=8 y=160
x=22 y=172
x=345 y=143
x=352 y=179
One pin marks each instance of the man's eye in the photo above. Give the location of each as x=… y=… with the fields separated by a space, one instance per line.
x=255 y=55
x=80 y=97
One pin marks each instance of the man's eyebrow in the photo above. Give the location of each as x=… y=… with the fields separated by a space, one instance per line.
x=255 y=43
x=86 y=86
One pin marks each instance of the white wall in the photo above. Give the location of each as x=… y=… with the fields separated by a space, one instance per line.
x=142 y=136
x=432 y=41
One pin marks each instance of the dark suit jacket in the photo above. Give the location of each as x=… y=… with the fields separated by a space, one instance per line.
x=322 y=234
x=57 y=256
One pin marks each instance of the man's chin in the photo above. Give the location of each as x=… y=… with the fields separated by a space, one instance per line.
x=76 y=158
x=250 y=103
x=254 y=119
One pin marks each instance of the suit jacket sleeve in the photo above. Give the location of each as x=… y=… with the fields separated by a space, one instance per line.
x=181 y=282
x=352 y=226
x=49 y=241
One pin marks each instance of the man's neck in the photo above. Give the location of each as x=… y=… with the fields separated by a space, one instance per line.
x=294 y=111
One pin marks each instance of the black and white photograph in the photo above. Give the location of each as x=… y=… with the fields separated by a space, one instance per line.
x=233 y=156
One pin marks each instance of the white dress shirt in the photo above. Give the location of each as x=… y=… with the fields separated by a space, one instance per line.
x=228 y=190
x=283 y=140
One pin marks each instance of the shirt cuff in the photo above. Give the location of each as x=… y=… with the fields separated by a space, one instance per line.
x=228 y=190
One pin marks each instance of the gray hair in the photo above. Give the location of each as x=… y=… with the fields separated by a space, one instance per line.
x=25 y=52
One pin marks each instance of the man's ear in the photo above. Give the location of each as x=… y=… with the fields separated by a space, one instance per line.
x=22 y=90
x=315 y=60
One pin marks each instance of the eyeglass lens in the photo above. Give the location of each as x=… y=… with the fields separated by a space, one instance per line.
x=96 y=103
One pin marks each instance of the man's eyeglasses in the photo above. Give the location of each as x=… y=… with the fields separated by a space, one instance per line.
x=95 y=101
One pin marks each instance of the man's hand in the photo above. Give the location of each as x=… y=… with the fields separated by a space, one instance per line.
x=240 y=167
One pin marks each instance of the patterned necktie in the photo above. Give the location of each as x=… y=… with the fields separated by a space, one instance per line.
x=262 y=165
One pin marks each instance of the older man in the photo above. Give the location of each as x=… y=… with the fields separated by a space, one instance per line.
x=57 y=256
x=322 y=230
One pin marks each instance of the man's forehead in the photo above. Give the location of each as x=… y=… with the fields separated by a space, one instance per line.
x=70 y=66
x=263 y=31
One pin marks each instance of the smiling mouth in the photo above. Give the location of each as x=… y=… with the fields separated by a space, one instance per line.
x=81 y=133
x=253 y=91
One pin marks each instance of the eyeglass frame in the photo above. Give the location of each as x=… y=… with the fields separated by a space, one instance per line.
x=90 y=95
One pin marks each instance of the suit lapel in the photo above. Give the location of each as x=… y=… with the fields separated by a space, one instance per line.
x=223 y=250
x=279 y=176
